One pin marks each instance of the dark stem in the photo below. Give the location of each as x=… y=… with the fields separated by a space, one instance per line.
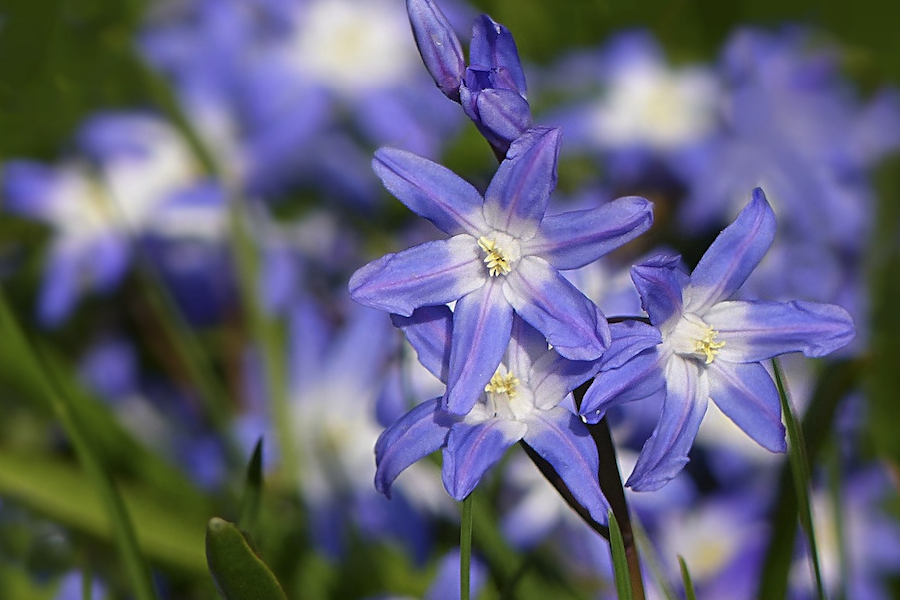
x=610 y=484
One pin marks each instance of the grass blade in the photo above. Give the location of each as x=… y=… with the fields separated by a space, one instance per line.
x=249 y=512
x=800 y=470
x=689 y=592
x=619 y=560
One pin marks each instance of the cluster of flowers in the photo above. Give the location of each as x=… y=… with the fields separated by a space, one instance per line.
x=506 y=313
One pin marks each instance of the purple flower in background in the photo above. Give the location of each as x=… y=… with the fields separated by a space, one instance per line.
x=492 y=89
x=520 y=402
x=712 y=347
x=504 y=256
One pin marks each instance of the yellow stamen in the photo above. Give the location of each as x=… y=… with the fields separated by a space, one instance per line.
x=708 y=346
x=503 y=384
x=496 y=260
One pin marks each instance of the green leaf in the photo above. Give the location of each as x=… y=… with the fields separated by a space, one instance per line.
x=689 y=592
x=239 y=573
x=620 y=561
x=249 y=512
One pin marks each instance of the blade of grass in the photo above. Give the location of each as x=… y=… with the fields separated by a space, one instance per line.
x=250 y=501
x=619 y=560
x=689 y=592
x=833 y=385
x=123 y=532
x=800 y=469
x=837 y=502
x=652 y=559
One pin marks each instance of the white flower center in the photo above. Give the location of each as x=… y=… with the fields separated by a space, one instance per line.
x=507 y=397
x=501 y=251
x=692 y=337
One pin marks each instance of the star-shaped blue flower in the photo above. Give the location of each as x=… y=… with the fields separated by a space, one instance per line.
x=520 y=402
x=712 y=347
x=503 y=256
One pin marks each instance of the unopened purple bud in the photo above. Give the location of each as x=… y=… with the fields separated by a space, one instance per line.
x=494 y=48
x=504 y=114
x=438 y=45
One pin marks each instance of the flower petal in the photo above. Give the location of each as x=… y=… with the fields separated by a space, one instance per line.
x=482 y=324
x=438 y=45
x=572 y=323
x=425 y=275
x=517 y=197
x=757 y=330
x=573 y=239
x=665 y=453
x=733 y=255
x=660 y=282
x=428 y=331
x=552 y=378
x=629 y=338
x=503 y=116
x=415 y=435
x=748 y=396
x=431 y=191
x=563 y=441
x=473 y=449
x=638 y=378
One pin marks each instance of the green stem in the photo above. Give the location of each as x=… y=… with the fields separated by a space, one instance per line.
x=123 y=532
x=465 y=549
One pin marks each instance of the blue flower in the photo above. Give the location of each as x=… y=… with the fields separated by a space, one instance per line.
x=712 y=347
x=492 y=88
x=503 y=256
x=520 y=402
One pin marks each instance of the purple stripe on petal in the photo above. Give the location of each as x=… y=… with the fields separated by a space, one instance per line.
x=733 y=255
x=757 y=330
x=665 y=453
x=563 y=441
x=573 y=239
x=482 y=325
x=415 y=435
x=431 y=191
x=428 y=331
x=572 y=324
x=748 y=396
x=472 y=449
x=425 y=275
x=517 y=197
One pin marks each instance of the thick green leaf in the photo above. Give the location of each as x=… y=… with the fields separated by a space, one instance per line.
x=239 y=573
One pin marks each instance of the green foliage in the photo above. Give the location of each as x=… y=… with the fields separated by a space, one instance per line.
x=239 y=573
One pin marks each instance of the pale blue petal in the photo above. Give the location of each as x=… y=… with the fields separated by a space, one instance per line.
x=572 y=324
x=552 y=378
x=629 y=338
x=517 y=197
x=482 y=325
x=638 y=378
x=758 y=330
x=527 y=346
x=748 y=396
x=415 y=435
x=432 y=273
x=660 y=282
x=431 y=191
x=733 y=255
x=472 y=449
x=666 y=452
x=573 y=239
x=428 y=331
x=563 y=441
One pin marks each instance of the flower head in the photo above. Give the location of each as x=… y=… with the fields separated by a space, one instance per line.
x=712 y=347
x=503 y=257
